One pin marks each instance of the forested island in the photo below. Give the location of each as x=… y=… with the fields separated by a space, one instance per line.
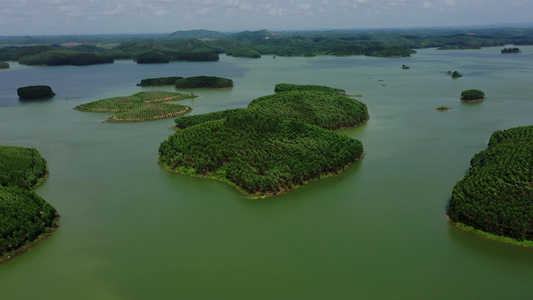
x=140 y=107
x=197 y=82
x=4 y=65
x=455 y=74
x=159 y=81
x=510 y=50
x=280 y=142
x=35 y=92
x=495 y=196
x=472 y=95
x=286 y=87
x=25 y=217
x=203 y=45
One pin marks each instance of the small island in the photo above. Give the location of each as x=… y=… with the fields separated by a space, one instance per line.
x=472 y=95
x=4 y=65
x=140 y=107
x=278 y=143
x=494 y=198
x=159 y=81
x=197 y=82
x=455 y=74
x=30 y=218
x=286 y=87
x=35 y=92
x=404 y=67
x=442 y=108
x=510 y=50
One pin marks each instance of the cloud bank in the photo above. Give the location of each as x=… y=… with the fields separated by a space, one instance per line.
x=25 y=17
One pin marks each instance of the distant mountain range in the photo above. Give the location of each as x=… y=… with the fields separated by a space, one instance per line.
x=210 y=34
x=264 y=34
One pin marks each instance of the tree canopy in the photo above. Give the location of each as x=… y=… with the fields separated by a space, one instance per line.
x=35 y=92
x=24 y=215
x=472 y=94
x=196 y=82
x=272 y=146
x=496 y=195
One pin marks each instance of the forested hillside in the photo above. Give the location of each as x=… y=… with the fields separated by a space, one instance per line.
x=325 y=109
x=496 y=195
x=203 y=45
x=24 y=215
x=260 y=155
x=270 y=147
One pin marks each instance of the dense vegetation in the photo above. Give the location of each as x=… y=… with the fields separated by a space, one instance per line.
x=261 y=155
x=243 y=51
x=203 y=45
x=152 y=57
x=21 y=167
x=327 y=110
x=140 y=107
x=510 y=50
x=472 y=95
x=160 y=81
x=24 y=216
x=456 y=74
x=4 y=65
x=35 y=92
x=273 y=145
x=65 y=57
x=496 y=194
x=285 y=87
x=203 y=82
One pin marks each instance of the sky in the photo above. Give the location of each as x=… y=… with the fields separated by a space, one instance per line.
x=60 y=17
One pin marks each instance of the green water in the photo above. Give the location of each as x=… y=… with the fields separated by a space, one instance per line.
x=131 y=230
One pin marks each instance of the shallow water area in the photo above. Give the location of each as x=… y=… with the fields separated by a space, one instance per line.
x=131 y=230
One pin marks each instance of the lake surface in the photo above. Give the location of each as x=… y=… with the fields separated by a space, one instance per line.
x=131 y=230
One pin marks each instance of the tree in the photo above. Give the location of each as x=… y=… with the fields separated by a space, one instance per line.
x=472 y=95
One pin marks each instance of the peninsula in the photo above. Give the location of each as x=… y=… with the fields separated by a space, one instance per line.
x=25 y=217
x=494 y=198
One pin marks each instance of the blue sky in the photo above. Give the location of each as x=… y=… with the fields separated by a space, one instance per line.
x=50 y=17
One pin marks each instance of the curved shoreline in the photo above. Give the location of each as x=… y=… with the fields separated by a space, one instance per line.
x=11 y=255
x=39 y=239
x=261 y=195
x=473 y=100
x=491 y=236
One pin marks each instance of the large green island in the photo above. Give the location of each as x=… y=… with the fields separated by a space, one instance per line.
x=276 y=144
x=25 y=218
x=495 y=197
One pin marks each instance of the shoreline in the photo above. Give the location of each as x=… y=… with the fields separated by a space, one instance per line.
x=474 y=100
x=27 y=246
x=491 y=236
x=263 y=195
